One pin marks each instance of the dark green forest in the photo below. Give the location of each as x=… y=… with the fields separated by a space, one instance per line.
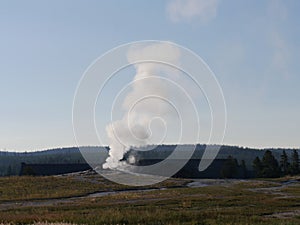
x=240 y=162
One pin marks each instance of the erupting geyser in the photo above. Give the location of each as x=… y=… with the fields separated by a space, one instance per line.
x=146 y=100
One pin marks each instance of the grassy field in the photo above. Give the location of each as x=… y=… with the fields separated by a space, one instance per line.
x=28 y=200
x=18 y=188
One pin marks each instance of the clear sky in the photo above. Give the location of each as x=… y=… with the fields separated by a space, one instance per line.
x=253 y=47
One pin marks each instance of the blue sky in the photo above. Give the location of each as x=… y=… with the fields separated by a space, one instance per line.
x=252 y=47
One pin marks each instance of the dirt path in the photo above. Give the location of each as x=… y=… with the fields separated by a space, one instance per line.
x=278 y=190
x=283 y=215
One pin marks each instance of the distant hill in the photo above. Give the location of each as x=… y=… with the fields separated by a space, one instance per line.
x=10 y=162
x=240 y=153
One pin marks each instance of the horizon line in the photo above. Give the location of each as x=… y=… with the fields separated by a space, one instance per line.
x=224 y=144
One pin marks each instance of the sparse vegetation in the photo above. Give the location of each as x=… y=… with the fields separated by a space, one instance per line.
x=237 y=202
x=48 y=187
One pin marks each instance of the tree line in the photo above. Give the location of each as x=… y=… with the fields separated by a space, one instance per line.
x=266 y=167
x=236 y=162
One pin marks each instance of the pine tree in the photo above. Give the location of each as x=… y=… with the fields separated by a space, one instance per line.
x=270 y=167
x=295 y=163
x=229 y=169
x=284 y=164
x=257 y=166
x=9 y=171
x=244 y=169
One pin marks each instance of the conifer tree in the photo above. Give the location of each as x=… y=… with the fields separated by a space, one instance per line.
x=284 y=164
x=295 y=163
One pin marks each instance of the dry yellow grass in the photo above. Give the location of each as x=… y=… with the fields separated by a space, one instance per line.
x=261 y=202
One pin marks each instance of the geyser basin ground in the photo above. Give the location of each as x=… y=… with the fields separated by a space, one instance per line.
x=54 y=199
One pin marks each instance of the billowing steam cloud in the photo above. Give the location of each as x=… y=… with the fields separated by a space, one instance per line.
x=144 y=103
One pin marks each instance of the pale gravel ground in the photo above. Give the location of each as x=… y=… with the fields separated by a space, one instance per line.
x=282 y=215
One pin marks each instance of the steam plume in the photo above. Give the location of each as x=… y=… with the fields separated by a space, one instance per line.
x=144 y=102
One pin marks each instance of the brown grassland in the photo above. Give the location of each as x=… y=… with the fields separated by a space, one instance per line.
x=68 y=199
